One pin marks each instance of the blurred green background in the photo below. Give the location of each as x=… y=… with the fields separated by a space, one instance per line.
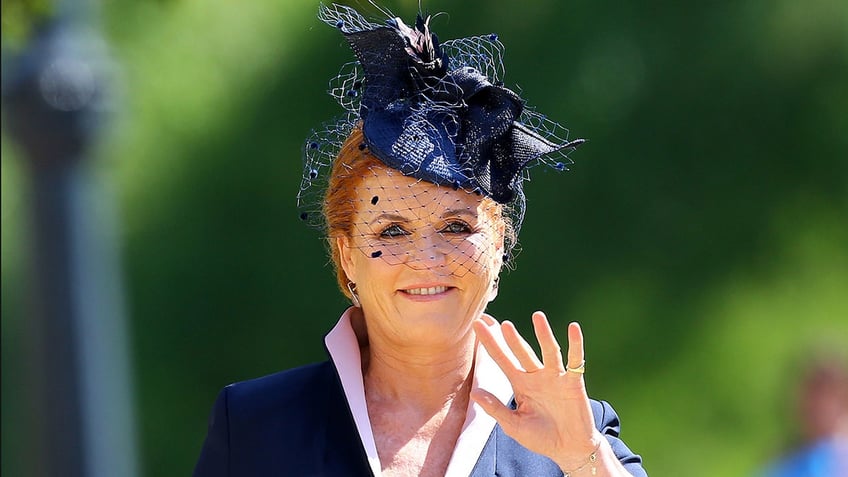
x=701 y=237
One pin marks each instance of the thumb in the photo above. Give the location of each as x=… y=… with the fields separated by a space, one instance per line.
x=494 y=408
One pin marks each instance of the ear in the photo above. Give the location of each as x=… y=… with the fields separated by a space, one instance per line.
x=493 y=292
x=345 y=257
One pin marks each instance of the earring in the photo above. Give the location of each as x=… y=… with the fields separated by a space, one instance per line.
x=495 y=284
x=354 y=298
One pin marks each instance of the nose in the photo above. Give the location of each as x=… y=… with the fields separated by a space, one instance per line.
x=427 y=252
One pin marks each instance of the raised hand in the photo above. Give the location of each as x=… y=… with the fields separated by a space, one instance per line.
x=553 y=415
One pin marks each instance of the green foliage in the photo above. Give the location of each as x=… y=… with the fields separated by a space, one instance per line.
x=699 y=238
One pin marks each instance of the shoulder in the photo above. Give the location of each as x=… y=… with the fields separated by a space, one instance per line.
x=607 y=421
x=268 y=418
x=293 y=387
x=278 y=425
x=288 y=383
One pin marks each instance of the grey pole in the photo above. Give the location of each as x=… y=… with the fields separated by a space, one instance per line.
x=54 y=99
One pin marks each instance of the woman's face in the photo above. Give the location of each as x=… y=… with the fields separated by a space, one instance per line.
x=424 y=258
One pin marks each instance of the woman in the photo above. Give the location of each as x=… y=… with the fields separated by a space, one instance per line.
x=420 y=187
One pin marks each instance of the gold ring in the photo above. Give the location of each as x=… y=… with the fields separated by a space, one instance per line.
x=579 y=369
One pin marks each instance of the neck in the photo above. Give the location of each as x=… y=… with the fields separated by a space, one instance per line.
x=422 y=377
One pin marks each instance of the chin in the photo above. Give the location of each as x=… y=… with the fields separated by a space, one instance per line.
x=435 y=322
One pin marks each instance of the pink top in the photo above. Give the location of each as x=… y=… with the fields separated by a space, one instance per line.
x=344 y=351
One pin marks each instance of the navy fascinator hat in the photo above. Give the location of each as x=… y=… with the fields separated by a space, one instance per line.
x=434 y=111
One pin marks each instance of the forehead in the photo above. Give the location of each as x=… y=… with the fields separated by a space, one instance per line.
x=385 y=190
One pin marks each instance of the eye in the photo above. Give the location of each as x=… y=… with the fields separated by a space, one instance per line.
x=393 y=230
x=457 y=227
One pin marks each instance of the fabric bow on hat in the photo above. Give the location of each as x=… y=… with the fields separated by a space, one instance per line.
x=443 y=123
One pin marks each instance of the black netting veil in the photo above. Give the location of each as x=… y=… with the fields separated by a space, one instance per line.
x=438 y=115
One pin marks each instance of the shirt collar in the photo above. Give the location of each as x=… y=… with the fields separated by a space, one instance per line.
x=344 y=349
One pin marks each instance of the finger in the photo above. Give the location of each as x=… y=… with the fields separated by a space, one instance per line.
x=575 y=345
x=488 y=319
x=496 y=350
x=551 y=351
x=493 y=407
x=520 y=348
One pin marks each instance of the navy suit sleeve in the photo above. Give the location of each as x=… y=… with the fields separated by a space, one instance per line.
x=214 y=458
x=606 y=420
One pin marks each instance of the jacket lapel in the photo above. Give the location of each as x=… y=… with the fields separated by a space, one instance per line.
x=343 y=451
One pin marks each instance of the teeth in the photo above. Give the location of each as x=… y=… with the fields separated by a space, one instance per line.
x=427 y=291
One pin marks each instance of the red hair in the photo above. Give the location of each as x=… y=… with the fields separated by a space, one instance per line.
x=351 y=165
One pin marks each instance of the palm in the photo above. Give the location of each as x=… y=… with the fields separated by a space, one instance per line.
x=553 y=416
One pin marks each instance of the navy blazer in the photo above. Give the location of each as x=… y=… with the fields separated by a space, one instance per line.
x=298 y=423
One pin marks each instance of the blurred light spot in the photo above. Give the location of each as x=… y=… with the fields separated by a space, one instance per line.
x=67 y=85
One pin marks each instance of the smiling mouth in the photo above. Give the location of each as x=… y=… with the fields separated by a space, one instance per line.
x=426 y=291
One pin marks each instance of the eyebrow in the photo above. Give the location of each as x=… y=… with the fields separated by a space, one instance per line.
x=400 y=218
x=455 y=212
x=390 y=218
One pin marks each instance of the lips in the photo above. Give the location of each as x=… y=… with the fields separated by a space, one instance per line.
x=426 y=291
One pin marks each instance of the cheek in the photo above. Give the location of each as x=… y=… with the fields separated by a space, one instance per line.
x=475 y=254
x=373 y=273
